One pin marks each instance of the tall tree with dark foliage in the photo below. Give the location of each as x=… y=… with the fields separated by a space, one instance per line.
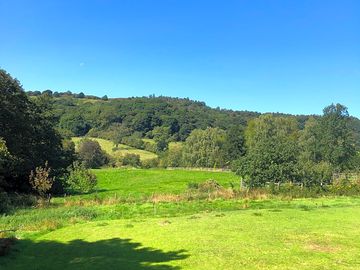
x=27 y=131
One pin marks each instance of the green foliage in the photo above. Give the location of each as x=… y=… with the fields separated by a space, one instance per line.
x=316 y=174
x=205 y=148
x=272 y=151
x=135 y=140
x=6 y=161
x=150 y=163
x=143 y=114
x=235 y=143
x=131 y=160
x=329 y=138
x=75 y=123
x=81 y=179
x=12 y=201
x=336 y=141
x=27 y=130
x=91 y=154
x=150 y=146
x=5 y=203
x=119 y=132
x=193 y=185
x=173 y=157
x=345 y=185
x=161 y=136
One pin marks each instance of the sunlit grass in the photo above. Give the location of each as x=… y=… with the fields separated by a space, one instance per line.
x=272 y=235
x=121 y=150
x=99 y=231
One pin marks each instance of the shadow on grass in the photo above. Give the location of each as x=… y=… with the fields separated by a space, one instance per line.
x=76 y=193
x=78 y=254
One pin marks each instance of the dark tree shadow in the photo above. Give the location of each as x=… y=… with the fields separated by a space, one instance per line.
x=78 y=254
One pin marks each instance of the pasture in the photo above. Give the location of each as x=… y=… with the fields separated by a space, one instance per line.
x=138 y=182
x=121 y=150
x=321 y=233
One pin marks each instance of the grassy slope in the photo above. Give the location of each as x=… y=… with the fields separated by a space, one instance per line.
x=288 y=237
x=138 y=182
x=123 y=149
x=142 y=181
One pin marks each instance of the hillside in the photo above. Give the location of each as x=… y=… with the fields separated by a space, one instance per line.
x=120 y=150
x=79 y=115
x=142 y=115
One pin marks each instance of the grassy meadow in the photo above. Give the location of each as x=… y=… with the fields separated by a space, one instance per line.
x=121 y=150
x=138 y=182
x=218 y=233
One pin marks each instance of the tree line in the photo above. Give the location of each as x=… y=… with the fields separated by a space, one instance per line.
x=36 y=128
x=34 y=156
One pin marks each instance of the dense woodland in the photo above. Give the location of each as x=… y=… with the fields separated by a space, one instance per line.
x=36 y=129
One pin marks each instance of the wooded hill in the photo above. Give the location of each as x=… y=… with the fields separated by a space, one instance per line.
x=80 y=114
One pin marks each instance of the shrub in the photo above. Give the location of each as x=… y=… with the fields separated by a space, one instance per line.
x=172 y=157
x=150 y=163
x=209 y=186
x=81 y=179
x=9 y=201
x=345 y=186
x=131 y=160
x=316 y=174
x=193 y=185
x=151 y=147
x=40 y=180
x=5 y=203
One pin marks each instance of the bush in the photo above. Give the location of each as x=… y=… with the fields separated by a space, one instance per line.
x=206 y=186
x=151 y=147
x=9 y=201
x=150 y=163
x=209 y=186
x=316 y=174
x=40 y=180
x=172 y=157
x=193 y=185
x=131 y=160
x=345 y=186
x=81 y=179
x=5 y=203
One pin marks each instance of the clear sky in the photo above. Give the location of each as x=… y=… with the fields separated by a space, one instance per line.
x=293 y=56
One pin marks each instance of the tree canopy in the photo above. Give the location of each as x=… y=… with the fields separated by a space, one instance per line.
x=27 y=132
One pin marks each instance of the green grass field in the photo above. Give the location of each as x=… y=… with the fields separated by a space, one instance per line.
x=137 y=183
x=279 y=238
x=125 y=182
x=321 y=233
x=108 y=147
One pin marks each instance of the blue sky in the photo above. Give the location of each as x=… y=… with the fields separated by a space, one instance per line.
x=279 y=56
